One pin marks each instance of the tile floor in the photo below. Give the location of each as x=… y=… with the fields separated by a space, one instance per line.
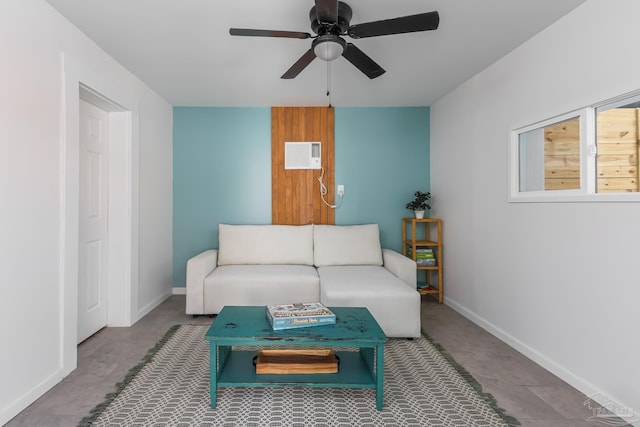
x=528 y=392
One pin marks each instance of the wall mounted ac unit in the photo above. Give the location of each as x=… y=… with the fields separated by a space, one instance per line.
x=302 y=155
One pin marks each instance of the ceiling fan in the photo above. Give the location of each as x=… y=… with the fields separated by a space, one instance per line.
x=329 y=21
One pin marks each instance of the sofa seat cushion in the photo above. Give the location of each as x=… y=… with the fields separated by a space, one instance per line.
x=265 y=244
x=259 y=285
x=393 y=303
x=346 y=245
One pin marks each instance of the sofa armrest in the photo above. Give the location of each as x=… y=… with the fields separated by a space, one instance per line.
x=199 y=267
x=402 y=267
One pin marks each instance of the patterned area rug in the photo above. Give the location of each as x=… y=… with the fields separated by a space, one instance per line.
x=170 y=387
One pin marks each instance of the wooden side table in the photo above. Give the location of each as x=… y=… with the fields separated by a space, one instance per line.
x=431 y=239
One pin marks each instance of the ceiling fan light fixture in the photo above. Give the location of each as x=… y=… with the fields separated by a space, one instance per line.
x=329 y=48
x=331 y=19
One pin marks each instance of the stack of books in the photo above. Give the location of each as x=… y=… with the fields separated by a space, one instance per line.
x=424 y=257
x=296 y=361
x=299 y=315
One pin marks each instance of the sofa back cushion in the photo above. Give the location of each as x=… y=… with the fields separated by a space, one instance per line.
x=346 y=245
x=265 y=244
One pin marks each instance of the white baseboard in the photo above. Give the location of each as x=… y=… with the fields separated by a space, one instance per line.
x=153 y=304
x=522 y=347
x=180 y=290
x=22 y=402
x=550 y=365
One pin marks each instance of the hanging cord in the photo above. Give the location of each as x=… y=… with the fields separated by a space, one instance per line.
x=323 y=192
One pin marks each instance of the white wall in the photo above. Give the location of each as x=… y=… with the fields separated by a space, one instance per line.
x=559 y=281
x=156 y=206
x=36 y=45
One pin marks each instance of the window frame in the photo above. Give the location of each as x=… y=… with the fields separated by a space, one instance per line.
x=588 y=157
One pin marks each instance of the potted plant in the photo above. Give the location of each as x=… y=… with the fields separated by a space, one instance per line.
x=419 y=203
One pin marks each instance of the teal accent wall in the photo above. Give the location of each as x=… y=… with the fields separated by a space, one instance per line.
x=382 y=158
x=221 y=174
x=222 y=171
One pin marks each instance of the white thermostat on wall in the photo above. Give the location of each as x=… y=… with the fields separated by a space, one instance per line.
x=302 y=155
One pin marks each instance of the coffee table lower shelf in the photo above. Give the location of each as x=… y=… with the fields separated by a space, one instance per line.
x=353 y=372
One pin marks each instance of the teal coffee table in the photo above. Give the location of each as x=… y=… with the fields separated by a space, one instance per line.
x=248 y=326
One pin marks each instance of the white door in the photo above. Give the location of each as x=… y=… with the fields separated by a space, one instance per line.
x=92 y=247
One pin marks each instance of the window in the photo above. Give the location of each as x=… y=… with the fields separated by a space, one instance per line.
x=586 y=155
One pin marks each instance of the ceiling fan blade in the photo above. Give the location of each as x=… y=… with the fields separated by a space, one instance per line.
x=406 y=24
x=327 y=11
x=362 y=62
x=300 y=65
x=268 y=33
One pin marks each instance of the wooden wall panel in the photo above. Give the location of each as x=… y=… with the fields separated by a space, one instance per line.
x=295 y=194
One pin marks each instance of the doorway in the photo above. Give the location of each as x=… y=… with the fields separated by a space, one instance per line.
x=83 y=82
x=102 y=213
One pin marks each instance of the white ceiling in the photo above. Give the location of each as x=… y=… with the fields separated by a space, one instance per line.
x=182 y=48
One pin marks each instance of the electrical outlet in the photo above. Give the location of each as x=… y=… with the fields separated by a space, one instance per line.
x=340 y=190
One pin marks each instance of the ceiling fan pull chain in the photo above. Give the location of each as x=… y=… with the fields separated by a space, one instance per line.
x=329 y=82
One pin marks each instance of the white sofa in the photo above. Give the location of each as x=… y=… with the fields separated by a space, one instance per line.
x=336 y=265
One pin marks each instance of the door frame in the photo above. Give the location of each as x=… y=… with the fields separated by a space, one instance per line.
x=82 y=81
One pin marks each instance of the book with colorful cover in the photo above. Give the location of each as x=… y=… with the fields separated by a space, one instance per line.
x=299 y=315
x=425 y=257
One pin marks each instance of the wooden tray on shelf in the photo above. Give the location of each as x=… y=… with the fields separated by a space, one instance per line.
x=296 y=361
